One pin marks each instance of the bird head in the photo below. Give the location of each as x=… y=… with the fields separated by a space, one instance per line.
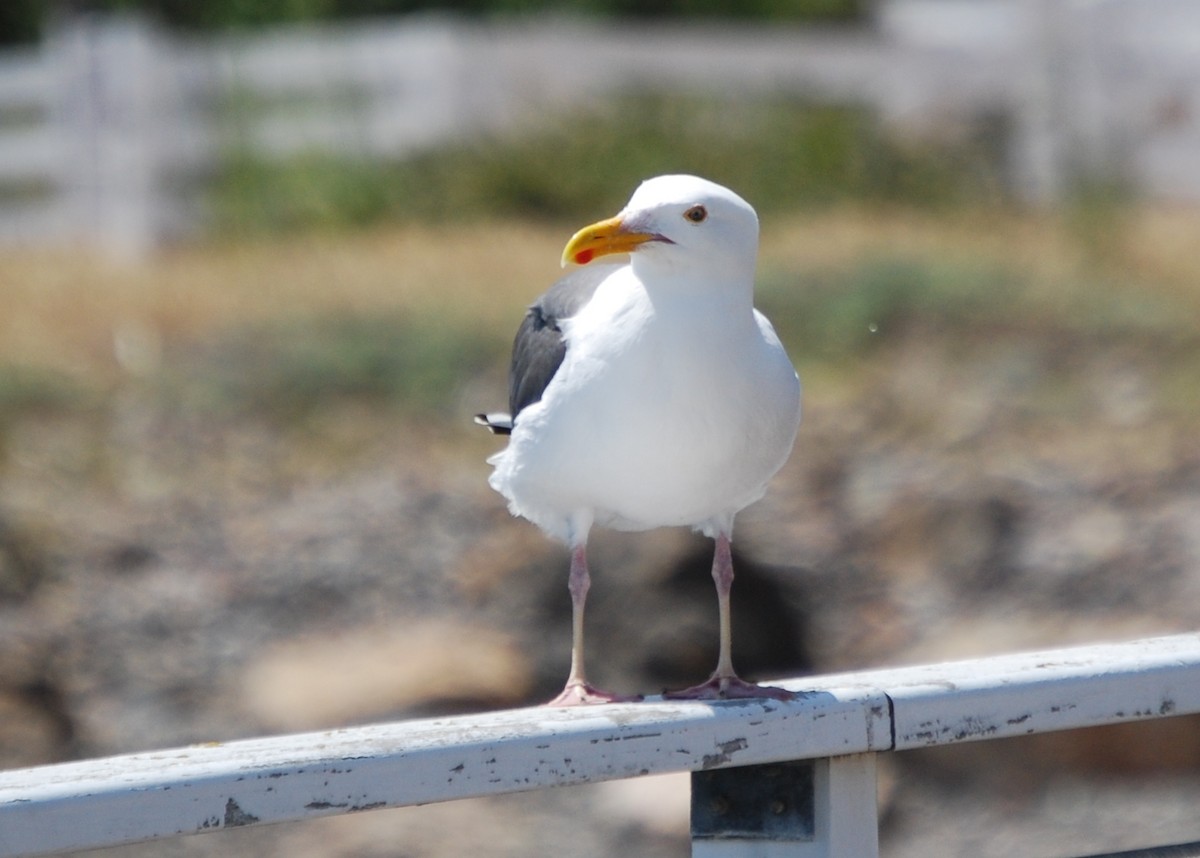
x=682 y=223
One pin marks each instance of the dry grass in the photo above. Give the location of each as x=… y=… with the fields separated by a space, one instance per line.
x=1150 y=246
x=64 y=311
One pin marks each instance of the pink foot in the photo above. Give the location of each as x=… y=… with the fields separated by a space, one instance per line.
x=582 y=694
x=730 y=688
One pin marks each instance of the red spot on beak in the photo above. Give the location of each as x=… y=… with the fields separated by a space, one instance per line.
x=583 y=257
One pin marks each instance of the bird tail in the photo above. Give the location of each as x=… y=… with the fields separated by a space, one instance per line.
x=497 y=422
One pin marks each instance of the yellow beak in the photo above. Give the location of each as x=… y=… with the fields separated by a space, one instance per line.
x=600 y=239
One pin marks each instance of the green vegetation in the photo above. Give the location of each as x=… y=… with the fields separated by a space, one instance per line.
x=846 y=312
x=33 y=391
x=28 y=389
x=22 y=20
x=784 y=155
x=285 y=370
x=234 y=13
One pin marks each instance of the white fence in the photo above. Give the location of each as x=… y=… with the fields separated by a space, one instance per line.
x=103 y=126
x=770 y=779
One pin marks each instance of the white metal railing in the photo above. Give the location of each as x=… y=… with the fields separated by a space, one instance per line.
x=825 y=807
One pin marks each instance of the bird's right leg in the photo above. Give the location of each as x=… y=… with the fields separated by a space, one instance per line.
x=577 y=690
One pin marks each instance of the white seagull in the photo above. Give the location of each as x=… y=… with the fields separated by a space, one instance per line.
x=649 y=393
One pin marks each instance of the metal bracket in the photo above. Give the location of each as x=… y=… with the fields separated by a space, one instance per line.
x=768 y=802
x=823 y=808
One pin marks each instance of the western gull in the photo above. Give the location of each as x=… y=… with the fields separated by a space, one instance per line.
x=649 y=393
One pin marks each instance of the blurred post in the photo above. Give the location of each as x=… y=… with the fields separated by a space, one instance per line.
x=105 y=105
x=1039 y=149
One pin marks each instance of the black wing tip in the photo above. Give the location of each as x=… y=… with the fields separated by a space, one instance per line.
x=497 y=424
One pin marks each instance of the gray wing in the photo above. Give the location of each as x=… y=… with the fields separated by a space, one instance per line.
x=539 y=347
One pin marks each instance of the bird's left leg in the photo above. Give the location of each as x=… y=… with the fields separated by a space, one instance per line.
x=724 y=682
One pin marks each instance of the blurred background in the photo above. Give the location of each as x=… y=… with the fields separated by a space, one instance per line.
x=260 y=263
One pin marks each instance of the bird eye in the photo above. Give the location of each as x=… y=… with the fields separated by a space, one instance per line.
x=696 y=214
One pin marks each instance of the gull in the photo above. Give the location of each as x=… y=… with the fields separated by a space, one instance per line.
x=649 y=393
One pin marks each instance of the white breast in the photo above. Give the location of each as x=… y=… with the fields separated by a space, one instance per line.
x=664 y=412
